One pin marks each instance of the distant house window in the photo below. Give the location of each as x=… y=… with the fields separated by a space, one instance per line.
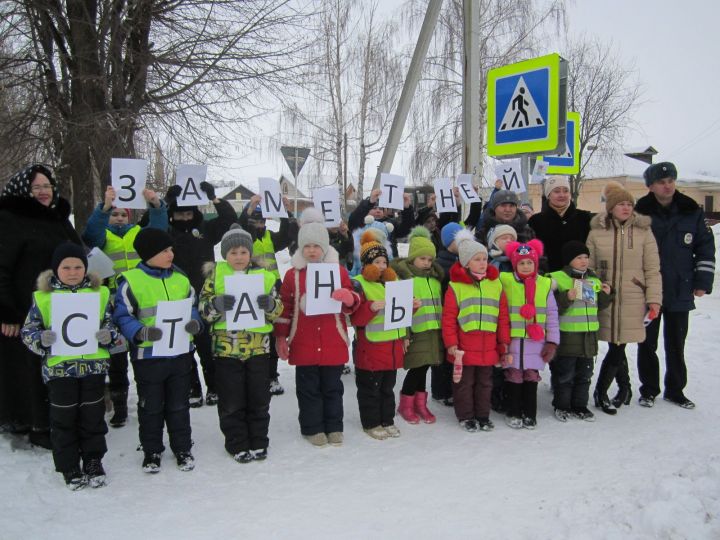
x=709 y=203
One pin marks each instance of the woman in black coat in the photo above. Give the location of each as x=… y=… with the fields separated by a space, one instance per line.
x=34 y=220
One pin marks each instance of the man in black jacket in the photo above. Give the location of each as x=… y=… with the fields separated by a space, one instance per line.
x=687 y=266
x=194 y=242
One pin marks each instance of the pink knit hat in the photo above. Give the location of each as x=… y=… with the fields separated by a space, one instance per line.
x=516 y=252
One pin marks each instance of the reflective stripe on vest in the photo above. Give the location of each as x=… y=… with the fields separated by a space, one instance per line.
x=121 y=252
x=264 y=254
x=43 y=300
x=478 y=304
x=580 y=316
x=428 y=315
x=515 y=293
x=222 y=270
x=375 y=329
x=149 y=290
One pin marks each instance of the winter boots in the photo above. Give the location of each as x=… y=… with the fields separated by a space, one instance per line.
x=406 y=409
x=421 y=408
x=521 y=401
x=120 y=409
x=94 y=471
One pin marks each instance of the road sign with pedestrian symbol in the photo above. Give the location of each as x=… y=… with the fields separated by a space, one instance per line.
x=569 y=161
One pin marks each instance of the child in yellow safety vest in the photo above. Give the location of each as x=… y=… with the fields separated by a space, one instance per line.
x=534 y=330
x=163 y=381
x=241 y=357
x=379 y=352
x=475 y=330
x=75 y=382
x=426 y=347
x=580 y=295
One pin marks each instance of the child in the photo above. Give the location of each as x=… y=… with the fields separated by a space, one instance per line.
x=379 y=352
x=498 y=238
x=241 y=356
x=533 y=328
x=316 y=344
x=163 y=382
x=578 y=331
x=476 y=329
x=110 y=230
x=75 y=383
x=426 y=346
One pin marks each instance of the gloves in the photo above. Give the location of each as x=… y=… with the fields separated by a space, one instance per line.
x=208 y=189
x=281 y=346
x=548 y=352
x=173 y=193
x=104 y=336
x=266 y=302
x=149 y=333
x=47 y=338
x=343 y=295
x=192 y=327
x=223 y=302
x=458 y=366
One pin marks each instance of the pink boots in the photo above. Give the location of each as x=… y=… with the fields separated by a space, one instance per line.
x=421 y=408
x=406 y=409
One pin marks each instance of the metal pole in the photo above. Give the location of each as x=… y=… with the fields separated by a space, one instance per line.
x=471 y=88
x=525 y=170
x=344 y=193
x=295 y=173
x=408 y=91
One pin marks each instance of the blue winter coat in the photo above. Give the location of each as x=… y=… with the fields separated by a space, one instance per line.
x=687 y=249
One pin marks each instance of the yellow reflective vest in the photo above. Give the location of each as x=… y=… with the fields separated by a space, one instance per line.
x=43 y=300
x=375 y=329
x=429 y=314
x=121 y=251
x=478 y=304
x=581 y=316
x=222 y=270
x=264 y=254
x=515 y=293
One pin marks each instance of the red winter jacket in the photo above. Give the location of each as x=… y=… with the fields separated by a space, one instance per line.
x=370 y=355
x=314 y=340
x=481 y=348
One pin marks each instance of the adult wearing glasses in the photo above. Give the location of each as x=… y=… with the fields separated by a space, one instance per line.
x=34 y=221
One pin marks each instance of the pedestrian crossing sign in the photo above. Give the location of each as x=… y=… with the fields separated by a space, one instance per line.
x=526 y=107
x=569 y=161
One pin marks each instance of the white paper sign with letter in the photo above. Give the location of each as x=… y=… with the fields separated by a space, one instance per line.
x=75 y=319
x=321 y=280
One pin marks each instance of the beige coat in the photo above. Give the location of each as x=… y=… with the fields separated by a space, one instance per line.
x=626 y=257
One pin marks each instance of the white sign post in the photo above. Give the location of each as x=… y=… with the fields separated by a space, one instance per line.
x=398 y=304
x=75 y=319
x=245 y=313
x=392 y=187
x=171 y=318
x=271 y=203
x=321 y=280
x=444 y=196
x=509 y=172
x=327 y=200
x=467 y=191
x=189 y=178
x=128 y=177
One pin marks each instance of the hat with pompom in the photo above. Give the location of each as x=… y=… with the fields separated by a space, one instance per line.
x=236 y=236
x=420 y=244
x=371 y=248
x=516 y=252
x=313 y=230
x=468 y=247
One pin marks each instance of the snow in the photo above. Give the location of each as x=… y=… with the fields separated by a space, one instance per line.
x=643 y=474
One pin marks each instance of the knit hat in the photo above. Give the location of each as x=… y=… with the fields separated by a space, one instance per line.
x=65 y=250
x=420 y=244
x=516 y=252
x=149 y=242
x=504 y=196
x=555 y=181
x=370 y=248
x=468 y=247
x=658 y=171
x=235 y=237
x=448 y=232
x=313 y=230
x=498 y=231
x=614 y=194
x=572 y=249
x=127 y=211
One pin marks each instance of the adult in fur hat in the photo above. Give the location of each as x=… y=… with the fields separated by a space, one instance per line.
x=624 y=254
x=34 y=220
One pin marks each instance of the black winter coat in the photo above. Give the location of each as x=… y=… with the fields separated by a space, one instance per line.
x=554 y=231
x=687 y=249
x=30 y=234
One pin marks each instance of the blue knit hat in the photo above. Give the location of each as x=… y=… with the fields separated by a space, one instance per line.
x=448 y=232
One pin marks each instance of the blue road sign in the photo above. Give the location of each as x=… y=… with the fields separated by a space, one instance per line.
x=567 y=163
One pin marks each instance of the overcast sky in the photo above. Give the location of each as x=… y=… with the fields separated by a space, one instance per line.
x=675 y=49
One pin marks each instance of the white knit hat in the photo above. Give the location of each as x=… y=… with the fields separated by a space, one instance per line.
x=467 y=246
x=552 y=182
x=313 y=230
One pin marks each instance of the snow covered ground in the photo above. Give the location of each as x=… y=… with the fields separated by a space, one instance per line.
x=645 y=473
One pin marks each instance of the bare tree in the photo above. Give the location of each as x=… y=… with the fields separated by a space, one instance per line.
x=105 y=69
x=604 y=92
